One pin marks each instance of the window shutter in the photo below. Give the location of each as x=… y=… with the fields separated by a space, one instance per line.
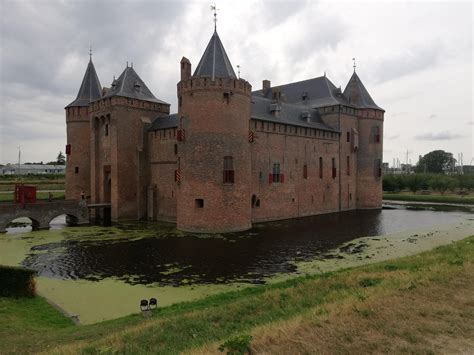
x=270 y=178
x=282 y=178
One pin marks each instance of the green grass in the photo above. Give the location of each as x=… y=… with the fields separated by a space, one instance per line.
x=217 y=318
x=57 y=195
x=429 y=198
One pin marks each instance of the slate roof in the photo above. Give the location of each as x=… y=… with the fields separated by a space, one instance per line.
x=260 y=109
x=163 y=122
x=214 y=62
x=292 y=114
x=357 y=94
x=130 y=85
x=318 y=92
x=90 y=89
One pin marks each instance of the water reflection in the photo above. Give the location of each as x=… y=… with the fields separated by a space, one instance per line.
x=168 y=257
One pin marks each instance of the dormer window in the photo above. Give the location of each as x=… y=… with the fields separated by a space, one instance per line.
x=304 y=96
x=137 y=86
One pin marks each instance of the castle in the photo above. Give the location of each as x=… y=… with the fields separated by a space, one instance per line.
x=231 y=156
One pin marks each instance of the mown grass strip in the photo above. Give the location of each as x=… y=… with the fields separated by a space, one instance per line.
x=429 y=198
x=57 y=195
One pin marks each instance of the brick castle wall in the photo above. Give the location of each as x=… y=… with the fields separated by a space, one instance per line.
x=215 y=118
x=78 y=162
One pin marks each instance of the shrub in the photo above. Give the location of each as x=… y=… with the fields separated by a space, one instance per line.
x=239 y=345
x=369 y=282
x=17 y=282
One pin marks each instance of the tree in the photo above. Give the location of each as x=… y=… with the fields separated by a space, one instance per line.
x=61 y=159
x=414 y=183
x=437 y=161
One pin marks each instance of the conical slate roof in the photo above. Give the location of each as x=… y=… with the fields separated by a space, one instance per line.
x=214 y=61
x=129 y=84
x=357 y=94
x=90 y=89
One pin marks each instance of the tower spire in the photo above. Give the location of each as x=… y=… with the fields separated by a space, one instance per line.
x=215 y=9
x=354 y=64
x=90 y=53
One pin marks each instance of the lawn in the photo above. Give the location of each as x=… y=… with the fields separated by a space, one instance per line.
x=57 y=195
x=438 y=198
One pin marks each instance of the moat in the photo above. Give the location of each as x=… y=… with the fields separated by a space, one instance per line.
x=151 y=258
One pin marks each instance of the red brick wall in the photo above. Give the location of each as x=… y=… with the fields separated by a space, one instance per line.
x=296 y=196
x=125 y=151
x=215 y=126
x=162 y=165
x=369 y=185
x=78 y=136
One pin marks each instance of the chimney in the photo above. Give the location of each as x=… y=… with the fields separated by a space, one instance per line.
x=266 y=84
x=185 y=69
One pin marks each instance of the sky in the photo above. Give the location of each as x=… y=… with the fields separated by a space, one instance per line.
x=415 y=59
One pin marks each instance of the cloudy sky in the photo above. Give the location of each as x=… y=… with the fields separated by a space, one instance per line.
x=415 y=58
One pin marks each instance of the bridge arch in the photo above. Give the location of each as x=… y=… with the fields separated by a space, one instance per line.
x=35 y=223
x=70 y=218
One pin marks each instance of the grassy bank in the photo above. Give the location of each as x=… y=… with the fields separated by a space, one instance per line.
x=415 y=304
x=57 y=195
x=428 y=198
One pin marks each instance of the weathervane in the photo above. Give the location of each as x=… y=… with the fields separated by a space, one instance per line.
x=90 y=52
x=354 y=64
x=215 y=9
x=238 y=70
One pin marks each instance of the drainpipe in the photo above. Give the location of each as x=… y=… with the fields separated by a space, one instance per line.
x=340 y=148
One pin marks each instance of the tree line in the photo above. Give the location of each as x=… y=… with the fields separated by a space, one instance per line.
x=435 y=182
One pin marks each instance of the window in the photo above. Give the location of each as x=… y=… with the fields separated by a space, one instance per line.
x=378 y=168
x=377 y=134
x=199 y=203
x=180 y=101
x=228 y=170
x=305 y=171
x=106 y=129
x=275 y=176
x=76 y=170
x=225 y=97
x=334 y=171
x=175 y=149
x=348 y=165
x=348 y=137
x=320 y=167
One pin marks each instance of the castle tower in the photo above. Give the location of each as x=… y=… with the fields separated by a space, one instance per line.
x=119 y=169
x=213 y=144
x=370 y=144
x=78 y=135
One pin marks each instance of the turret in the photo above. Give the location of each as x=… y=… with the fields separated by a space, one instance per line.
x=370 y=144
x=78 y=135
x=213 y=144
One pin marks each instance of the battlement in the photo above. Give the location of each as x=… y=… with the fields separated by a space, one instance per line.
x=202 y=83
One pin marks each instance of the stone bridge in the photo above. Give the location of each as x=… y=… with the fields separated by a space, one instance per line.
x=42 y=212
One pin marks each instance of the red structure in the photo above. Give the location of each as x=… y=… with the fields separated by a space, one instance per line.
x=24 y=194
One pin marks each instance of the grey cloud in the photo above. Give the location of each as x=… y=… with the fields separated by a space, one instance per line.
x=432 y=116
x=409 y=61
x=439 y=136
